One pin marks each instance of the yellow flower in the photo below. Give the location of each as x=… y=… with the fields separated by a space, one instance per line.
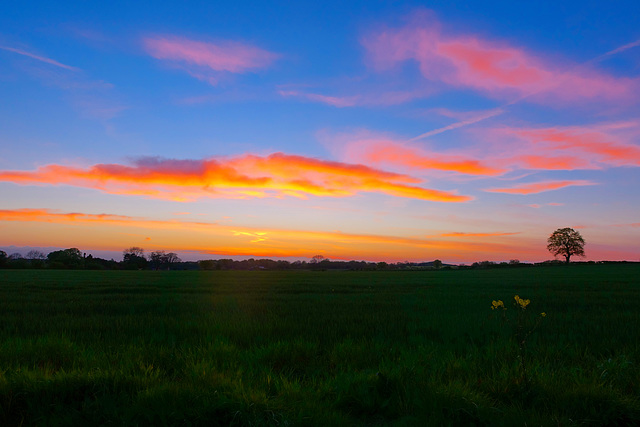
x=543 y=314
x=496 y=304
x=522 y=302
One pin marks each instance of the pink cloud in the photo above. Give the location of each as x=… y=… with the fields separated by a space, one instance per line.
x=539 y=187
x=533 y=161
x=201 y=58
x=391 y=152
x=589 y=143
x=382 y=150
x=493 y=67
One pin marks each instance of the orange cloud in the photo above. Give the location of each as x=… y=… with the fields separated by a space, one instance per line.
x=415 y=158
x=539 y=187
x=276 y=175
x=532 y=161
x=206 y=60
x=374 y=149
x=493 y=67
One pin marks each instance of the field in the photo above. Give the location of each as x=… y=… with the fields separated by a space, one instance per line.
x=320 y=348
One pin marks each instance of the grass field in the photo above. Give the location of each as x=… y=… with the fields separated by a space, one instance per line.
x=319 y=348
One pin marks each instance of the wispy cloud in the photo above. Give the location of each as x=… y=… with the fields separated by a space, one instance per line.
x=538 y=206
x=539 y=187
x=374 y=99
x=585 y=145
x=40 y=58
x=246 y=176
x=208 y=60
x=336 y=101
x=463 y=234
x=632 y=225
x=493 y=67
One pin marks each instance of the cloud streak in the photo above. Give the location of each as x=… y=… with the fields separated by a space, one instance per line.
x=208 y=60
x=378 y=99
x=586 y=145
x=463 y=234
x=40 y=58
x=539 y=187
x=335 y=101
x=246 y=176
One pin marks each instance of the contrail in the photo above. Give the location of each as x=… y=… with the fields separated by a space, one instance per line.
x=501 y=109
x=621 y=49
x=39 y=58
x=490 y=113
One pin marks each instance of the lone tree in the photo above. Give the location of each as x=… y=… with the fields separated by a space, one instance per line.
x=566 y=242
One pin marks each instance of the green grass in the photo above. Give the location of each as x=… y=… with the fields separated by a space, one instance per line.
x=318 y=348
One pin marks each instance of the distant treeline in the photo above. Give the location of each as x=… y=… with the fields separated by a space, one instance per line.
x=135 y=259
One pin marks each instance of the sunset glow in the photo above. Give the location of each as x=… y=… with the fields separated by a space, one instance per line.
x=379 y=132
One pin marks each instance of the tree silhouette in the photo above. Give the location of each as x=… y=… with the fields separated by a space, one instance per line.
x=35 y=255
x=317 y=259
x=66 y=258
x=133 y=258
x=566 y=242
x=161 y=259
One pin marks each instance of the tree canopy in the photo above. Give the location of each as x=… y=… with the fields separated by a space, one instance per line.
x=66 y=258
x=566 y=242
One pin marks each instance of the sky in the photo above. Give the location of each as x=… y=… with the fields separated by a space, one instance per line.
x=370 y=130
